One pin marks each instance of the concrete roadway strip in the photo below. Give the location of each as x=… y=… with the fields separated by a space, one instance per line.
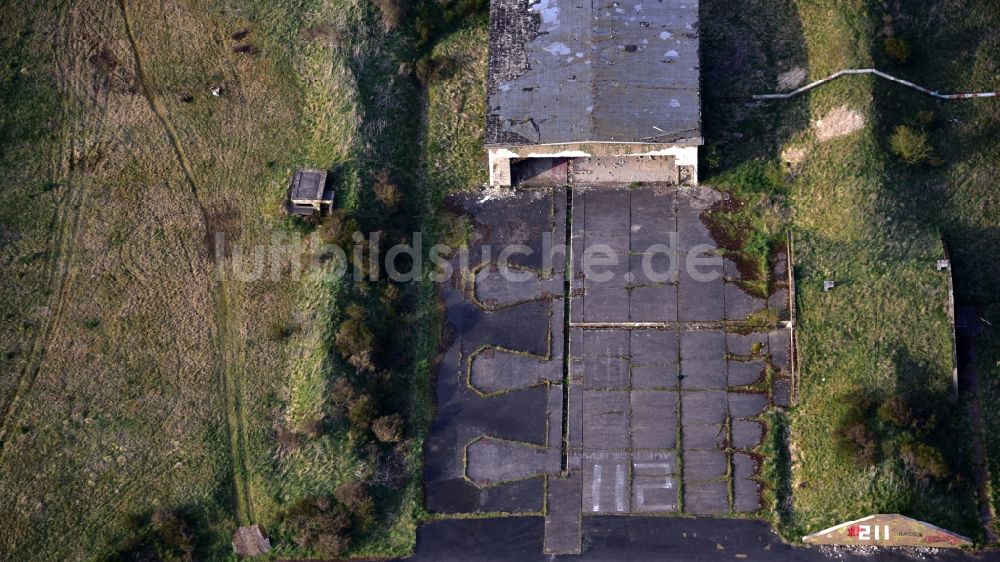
x=720 y=325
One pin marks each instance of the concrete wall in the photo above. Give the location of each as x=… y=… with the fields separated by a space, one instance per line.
x=685 y=158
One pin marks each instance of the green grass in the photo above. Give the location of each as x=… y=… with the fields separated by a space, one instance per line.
x=869 y=223
x=143 y=382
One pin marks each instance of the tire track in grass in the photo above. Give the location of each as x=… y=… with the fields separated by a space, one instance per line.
x=64 y=227
x=230 y=373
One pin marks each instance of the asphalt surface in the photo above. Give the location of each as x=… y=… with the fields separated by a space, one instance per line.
x=641 y=539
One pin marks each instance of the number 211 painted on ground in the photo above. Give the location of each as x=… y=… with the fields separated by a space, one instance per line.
x=865 y=532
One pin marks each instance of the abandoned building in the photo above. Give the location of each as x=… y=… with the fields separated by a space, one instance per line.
x=308 y=193
x=593 y=92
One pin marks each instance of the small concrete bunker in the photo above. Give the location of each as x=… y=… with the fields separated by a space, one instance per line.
x=602 y=91
x=308 y=193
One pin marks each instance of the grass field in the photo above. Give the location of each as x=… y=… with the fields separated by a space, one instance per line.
x=872 y=224
x=136 y=378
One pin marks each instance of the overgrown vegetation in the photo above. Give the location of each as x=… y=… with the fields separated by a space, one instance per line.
x=751 y=225
x=864 y=218
x=131 y=148
x=910 y=145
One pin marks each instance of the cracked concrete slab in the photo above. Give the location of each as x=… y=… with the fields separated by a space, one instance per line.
x=703 y=345
x=746 y=492
x=739 y=304
x=703 y=465
x=498 y=371
x=606 y=304
x=603 y=371
x=563 y=532
x=653 y=347
x=745 y=466
x=605 y=485
x=743 y=373
x=654 y=484
x=703 y=407
x=746 y=345
x=697 y=374
x=746 y=496
x=493 y=461
x=704 y=437
x=653 y=268
x=653 y=303
x=604 y=258
x=747 y=405
x=691 y=231
x=654 y=419
x=495 y=289
x=653 y=219
x=613 y=343
x=700 y=301
x=779 y=343
x=654 y=376
x=782 y=392
x=747 y=434
x=779 y=301
x=605 y=419
x=706 y=498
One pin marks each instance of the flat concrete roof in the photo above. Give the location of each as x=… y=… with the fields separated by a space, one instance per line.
x=308 y=185
x=564 y=71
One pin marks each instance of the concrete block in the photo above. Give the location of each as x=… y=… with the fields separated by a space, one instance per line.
x=747 y=434
x=653 y=347
x=742 y=373
x=654 y=419
x=703 y=345
x=704 y=465
x=746 y=405
x=699 y=374
x=605 y=419
x=703 y=407
x=706 y=498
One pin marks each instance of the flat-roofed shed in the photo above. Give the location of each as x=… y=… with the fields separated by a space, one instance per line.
x=593 y=79
x=308 y=192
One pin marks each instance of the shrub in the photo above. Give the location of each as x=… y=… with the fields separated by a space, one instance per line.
x=896 y=411
x=432 y=69
x=897 y=49
x=171 y=539
x=910 y=145
x=355 y=341
x=389 y=297
x=313 y=525
x=853 y=436
x=386 y=191
x=388 y=429
x=341 y=396
x=354 y=495
x=361 y=413
x=924 y=461
x=393 y=12
x=859 y=441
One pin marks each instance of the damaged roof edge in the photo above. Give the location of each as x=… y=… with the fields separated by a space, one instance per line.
x=688 y=141
x=561 y=71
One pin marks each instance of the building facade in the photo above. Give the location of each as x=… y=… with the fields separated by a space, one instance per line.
x=602 y=91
